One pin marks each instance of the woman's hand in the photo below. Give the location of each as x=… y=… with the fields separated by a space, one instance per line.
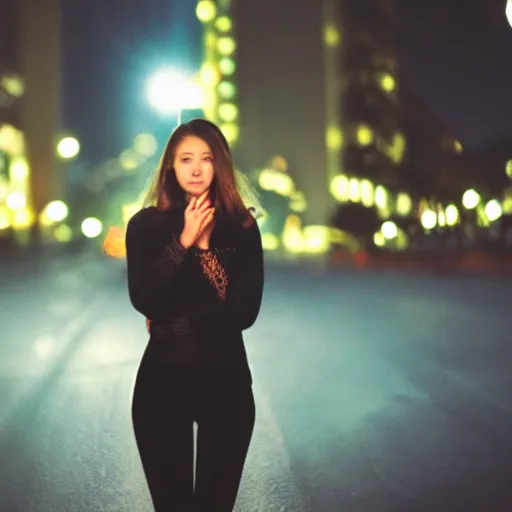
x=198 y=216
x=148 y=324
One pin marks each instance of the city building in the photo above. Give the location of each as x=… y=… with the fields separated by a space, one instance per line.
x=13 y=165
x=314 y=83
x=269 y=87
x=29 y=109
x=435 y=164
x=11 y=84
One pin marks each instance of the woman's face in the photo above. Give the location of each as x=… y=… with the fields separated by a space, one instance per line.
x=194 y=166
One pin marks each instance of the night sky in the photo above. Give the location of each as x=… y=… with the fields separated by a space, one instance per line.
x=110 y=50
x=455 y=54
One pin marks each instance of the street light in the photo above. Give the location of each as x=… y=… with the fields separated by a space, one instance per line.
x=508 y=12
x=470 y=199
x=170 y=91
x=68 y=148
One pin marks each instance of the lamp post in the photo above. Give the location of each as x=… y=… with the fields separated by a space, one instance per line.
x=171 y=91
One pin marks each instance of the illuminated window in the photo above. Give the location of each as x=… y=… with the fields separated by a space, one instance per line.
x=387 y=82
x=11 y=140
x=334 y=138
x=381 y=197
x=470 y=199
x=211 y=39
x=227 y=66
x=206 y=10
x=223 y=24
x=493 y=210
x=403 y=204
x=332 y=36
x=13 y=84
x=19 y=169
x=429 y=219
x=339 y=188
x=354 y=190
x=451 y=215
x=508 y=168
x=227 y=90
x=230 y=131
x=209 y=75
x=228 y=112
x=396 y=150
x=226 y=45
x=389 y=230
x=367 y=193
x=279 y=163
x=364 y=135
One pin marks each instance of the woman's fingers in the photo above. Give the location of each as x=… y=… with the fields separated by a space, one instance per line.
x=206 y=217
x=204 y=207
x=204 y=195
x=203 y=201
x=191 y=204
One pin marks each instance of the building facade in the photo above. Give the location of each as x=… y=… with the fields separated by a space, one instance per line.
x=315 y=83
x=11 y=85
x=265 y=68
x=13 y=165
x=30 y=63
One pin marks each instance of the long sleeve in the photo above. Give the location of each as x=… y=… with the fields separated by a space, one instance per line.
x=152 y=264
x=242 y=303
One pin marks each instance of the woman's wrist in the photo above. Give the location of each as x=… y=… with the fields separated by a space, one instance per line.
x=185 y=241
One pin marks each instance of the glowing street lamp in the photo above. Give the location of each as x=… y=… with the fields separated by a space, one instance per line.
x=508 y=12
x=68 y=148
x=470 y=199
x=170 y=91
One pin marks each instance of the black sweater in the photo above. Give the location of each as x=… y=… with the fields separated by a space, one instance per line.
x=199 y=301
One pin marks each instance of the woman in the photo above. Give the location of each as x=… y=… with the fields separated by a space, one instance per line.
x=195 y=271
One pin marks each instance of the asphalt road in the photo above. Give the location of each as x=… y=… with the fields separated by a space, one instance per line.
x=375 y=392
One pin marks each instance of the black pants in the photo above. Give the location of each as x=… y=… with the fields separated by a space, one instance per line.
x=166 y=403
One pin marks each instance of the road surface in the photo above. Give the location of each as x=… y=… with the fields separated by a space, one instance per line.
x=375 y=392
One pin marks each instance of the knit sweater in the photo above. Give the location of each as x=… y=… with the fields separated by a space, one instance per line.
x=199 y=301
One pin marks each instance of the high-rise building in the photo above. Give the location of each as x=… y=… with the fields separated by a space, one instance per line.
x=11 y=85
x=435 y=164
x=40 y=65
x=13 y=167
x=316 y=83
x=266 y=69
x=373 y=142
x=29 y=108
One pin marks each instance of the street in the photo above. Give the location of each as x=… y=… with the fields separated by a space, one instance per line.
x=375 y=392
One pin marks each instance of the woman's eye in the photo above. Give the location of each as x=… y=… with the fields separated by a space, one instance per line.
x=185 y=160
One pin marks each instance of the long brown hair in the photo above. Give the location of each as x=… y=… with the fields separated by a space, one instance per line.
x=165 y=193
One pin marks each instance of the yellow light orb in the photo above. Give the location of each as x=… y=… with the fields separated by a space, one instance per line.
x=493 y=210
x=56 y=211
x=68 y=148
x=429 y=219
x=389 y=230
x=470 y=199
x=92 y=227
x=206 y=11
